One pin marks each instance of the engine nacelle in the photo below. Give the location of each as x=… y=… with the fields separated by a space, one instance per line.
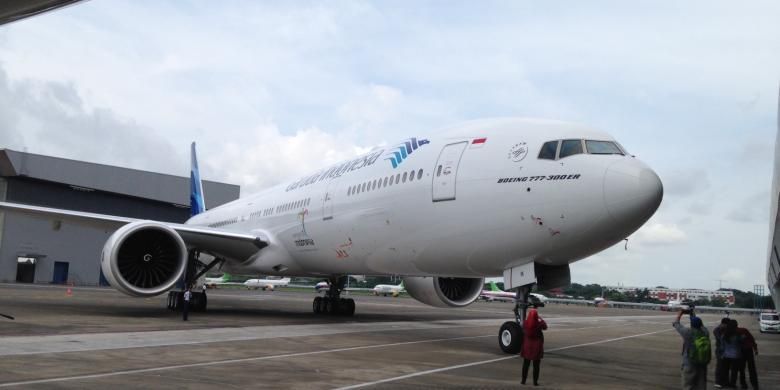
x=144 y=258
x=444 y=292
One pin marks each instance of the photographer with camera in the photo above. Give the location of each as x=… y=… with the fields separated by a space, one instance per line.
x=696 y=351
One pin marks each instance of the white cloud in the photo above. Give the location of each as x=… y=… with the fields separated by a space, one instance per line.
x=371 y=108
x=658 y=234
x=733 y=277
x=753 y=209
x=685 y=183
x=267 y=157
x=49 y=117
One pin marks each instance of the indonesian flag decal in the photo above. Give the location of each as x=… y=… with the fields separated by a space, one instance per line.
x=478 y=143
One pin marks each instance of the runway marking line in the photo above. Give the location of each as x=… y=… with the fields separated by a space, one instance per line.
x=455 y=367
x=242 y=360
x=260 y=358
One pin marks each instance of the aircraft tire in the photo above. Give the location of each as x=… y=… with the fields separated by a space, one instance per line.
x=348 y=307
x=200 y=301
x=327 y=306
x=317 y=305
x=510 y=337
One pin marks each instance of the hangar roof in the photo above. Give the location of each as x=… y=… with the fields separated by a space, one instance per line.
x=126 y=181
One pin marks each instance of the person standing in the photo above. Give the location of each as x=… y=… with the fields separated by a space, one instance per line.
x=732 y=353
x=185 y=309
x=696 y=352
x=749 y=349
x=718 y=333
x=533 y=344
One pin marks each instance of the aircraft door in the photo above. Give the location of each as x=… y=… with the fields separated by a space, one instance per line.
x=446 y=171
x=328 y=200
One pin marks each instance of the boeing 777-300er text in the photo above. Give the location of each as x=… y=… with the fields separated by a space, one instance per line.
x=521 y=198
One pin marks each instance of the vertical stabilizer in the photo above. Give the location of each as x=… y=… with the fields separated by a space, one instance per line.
x=197 y=202
x=494 y=287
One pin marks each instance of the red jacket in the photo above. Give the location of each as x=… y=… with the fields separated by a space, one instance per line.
x=533 y=339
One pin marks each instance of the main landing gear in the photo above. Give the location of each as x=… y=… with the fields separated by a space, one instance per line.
x=510 y=337
x=332 y=303
x=195 y=269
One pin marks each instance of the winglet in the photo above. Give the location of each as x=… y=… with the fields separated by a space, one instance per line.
x=197 y=201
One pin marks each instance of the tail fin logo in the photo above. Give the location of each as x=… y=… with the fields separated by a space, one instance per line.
x=397 y=154
x=197 y=201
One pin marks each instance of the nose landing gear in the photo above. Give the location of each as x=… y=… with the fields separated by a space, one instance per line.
x=510 y=336
x=332 y=303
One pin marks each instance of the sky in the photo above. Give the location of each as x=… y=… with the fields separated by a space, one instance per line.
x=274 y=90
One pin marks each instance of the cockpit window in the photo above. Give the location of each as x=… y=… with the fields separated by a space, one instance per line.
x=602 y=147
x=570 y=147
x=548 y=150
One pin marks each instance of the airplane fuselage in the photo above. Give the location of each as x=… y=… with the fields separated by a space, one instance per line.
x=470 y=202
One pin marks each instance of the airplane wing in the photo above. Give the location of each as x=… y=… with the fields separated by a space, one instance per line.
x=216 y=242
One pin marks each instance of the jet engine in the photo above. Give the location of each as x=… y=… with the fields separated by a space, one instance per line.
x=144 y=258
x=444 y=292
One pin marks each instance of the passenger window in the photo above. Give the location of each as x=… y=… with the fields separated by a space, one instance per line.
x=438 y=171
x=398 y=178
x=570 y=147
x=602 y=147
x=390 y=181
x=548 y=150
x=411 y=175
x=419 y=174
x=385 y=182
x=363 y=189
x=374 y=185
x=404 y=178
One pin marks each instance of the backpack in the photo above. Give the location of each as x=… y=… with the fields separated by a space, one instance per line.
x=700 y=351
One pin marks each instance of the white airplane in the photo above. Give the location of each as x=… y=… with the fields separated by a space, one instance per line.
x=214 y=282
x=322 y=286
x=266 y=284
x=678 y=304
x=519 y=197
x=388 y=289
x=674 y=303
x=494 y=293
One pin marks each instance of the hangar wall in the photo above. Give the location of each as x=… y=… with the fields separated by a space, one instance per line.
x=773 y=253
x=47 y=250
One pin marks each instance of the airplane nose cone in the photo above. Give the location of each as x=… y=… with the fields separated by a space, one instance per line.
x=632 y=192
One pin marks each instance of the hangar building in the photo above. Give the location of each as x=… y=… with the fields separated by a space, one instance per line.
x=773 y=254
x=36 y=249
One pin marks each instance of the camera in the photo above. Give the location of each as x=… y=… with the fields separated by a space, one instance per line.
x=690 y=307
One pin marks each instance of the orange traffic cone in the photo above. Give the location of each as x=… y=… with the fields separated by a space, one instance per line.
x=69 y=291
